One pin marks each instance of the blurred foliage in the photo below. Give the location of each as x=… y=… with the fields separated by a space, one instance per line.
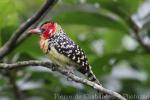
x=100 y=27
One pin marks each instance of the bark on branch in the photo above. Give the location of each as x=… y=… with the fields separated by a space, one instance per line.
x=64 y=72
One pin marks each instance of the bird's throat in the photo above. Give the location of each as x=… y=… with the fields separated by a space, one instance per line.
x=44 y=44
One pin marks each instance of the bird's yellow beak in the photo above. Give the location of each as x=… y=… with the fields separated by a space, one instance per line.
x=35 y=31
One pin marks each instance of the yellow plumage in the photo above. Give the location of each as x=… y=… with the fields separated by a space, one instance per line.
x=57 y=58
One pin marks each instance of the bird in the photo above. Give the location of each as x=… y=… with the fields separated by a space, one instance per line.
x=62 y=50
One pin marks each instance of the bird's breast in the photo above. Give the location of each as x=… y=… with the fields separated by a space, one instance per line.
x=58 y=58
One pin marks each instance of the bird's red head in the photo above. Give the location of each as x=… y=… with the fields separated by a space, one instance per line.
x=46 y=30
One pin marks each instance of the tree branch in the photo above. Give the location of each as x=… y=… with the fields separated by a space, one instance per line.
x=64 y=72
x=136 y=31
x=11 y=43
x=15 y=89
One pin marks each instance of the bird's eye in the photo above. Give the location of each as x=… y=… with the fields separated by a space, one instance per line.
x=43 y=29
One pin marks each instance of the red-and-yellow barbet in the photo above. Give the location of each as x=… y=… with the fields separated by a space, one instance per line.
x=61 y=50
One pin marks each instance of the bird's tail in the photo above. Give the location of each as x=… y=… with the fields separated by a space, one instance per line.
x=89 y=74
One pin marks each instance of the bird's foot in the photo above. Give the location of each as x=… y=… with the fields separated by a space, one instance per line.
x=53 y=67
x=70 y=72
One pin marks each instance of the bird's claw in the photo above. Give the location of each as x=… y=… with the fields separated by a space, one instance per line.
x=69 y=79
x=70 y=72
x=53 y=67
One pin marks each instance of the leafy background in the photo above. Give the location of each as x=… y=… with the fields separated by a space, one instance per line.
x=101 y=28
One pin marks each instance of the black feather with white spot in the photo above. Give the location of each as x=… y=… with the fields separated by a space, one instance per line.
x=67 y=47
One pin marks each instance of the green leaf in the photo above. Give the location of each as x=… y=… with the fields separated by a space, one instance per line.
x=6 y=33
x=30 y=46
x=8 y=20
x=112 y=40
x=90 y=19
x=123 y=8
x=9 y=15
x=70 y=1
x=102 y=64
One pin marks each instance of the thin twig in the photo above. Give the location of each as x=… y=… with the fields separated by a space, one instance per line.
x=10 y=44
x=64 y=72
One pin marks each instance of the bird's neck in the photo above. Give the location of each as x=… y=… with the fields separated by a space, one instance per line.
x=44 y=41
